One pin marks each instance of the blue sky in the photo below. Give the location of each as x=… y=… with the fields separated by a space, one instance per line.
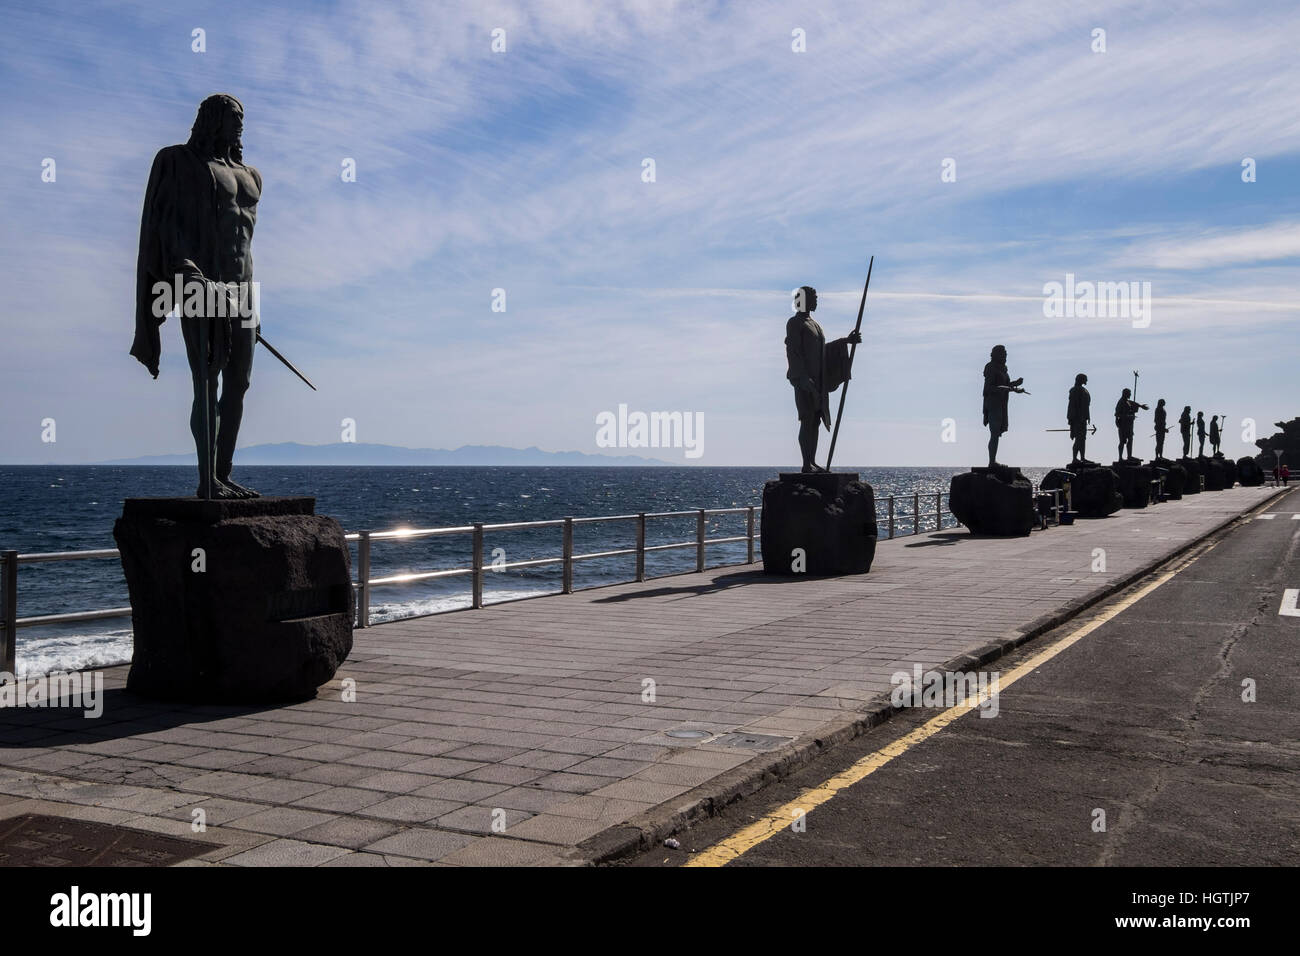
x=522 y=170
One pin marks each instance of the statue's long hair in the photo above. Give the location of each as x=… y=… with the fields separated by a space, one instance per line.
x=203 y=135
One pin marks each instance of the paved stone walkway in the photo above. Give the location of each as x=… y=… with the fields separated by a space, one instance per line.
x=512 y=734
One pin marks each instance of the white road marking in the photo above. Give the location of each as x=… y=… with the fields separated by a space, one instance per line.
x=1266 y=517
x=1289 y=598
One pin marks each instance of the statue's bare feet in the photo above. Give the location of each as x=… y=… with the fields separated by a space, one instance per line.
x=219 y=491
x=240 y=489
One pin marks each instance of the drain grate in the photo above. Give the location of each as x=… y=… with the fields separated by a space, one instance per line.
x=752 y=741
x=33 y=840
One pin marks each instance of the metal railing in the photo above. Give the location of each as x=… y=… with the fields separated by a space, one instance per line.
x=9 y=619
x=477 y=570
x=894 y=522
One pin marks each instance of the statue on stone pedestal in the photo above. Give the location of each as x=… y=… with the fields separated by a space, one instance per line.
x=1078 y=415
x=997 y=388
x=1125 y=412
x=196 y=233
x=1200 y=434
x=1185 y=427
x=1161 y=417
x=1214 y=435
x=815 y=368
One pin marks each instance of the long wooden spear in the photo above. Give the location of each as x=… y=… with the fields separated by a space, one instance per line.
x=853 y=348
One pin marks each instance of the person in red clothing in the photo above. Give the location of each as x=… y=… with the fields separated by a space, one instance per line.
x=1286 y=473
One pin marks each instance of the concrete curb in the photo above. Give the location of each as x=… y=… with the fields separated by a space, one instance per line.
x=651 y=828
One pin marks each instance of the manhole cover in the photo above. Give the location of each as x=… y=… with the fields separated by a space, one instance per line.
x=32 y=840
x=752 y=741
x=688 y=734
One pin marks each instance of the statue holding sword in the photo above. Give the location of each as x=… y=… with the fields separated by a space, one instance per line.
x=196 y=233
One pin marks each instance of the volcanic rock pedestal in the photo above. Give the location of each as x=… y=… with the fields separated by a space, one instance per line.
x=1194 y=475
x=1135 y=481
x=1215 y=472
x=1174 y=475
x=1229 y=469
x=819 y=523
x=1094 y=489
x=996 y=501
x=1249 y=473
x=234 y=601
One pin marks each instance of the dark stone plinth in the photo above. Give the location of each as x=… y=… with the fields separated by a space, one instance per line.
x=214 y=510
x=997 y=501
x=831 y=516
x=1174 y=476
x=1134 y=482
x=1249 y=473
x=1229 y=468
x=1094 y=488
x=1216 y=475
x=1194 y=475
x=267 y=619
x=1056 y=478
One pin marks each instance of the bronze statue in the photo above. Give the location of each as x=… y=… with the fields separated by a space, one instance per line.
x=1185 y=427
x=1078 y=414
x=1125 y=412
x=196 y=231
x=1200 y=434
x=815 y=368
x=1161 y=416
x=998 y=386
x=1215 y=435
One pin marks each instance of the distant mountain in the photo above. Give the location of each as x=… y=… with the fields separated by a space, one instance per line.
x=356 y=453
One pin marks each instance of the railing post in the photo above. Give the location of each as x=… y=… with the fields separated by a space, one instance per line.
x=938 y=511
x=699 y=540
x=1056 y=505
x=891 y=516
x=477 y=565
x=749 y=533
x=9 y=640
x=640 y=547
x=363 y=579
x=568 y=555
x=916 y=512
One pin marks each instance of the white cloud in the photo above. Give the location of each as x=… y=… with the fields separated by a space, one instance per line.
x=1214 y=249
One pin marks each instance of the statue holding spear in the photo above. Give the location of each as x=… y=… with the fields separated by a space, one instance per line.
x=816 y=368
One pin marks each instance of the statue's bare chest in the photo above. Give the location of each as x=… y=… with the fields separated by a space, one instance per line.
x=236 y=188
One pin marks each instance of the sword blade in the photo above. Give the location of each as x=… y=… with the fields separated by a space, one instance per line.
x=287 y=364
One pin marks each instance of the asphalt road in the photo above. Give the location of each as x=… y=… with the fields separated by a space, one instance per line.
x=1143 y=719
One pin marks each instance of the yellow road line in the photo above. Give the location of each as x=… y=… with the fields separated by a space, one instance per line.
x=746 y=839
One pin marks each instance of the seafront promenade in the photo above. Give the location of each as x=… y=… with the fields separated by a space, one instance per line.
x=564 y=729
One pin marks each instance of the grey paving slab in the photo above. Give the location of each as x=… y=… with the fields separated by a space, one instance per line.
x=421 y=843
x=287 y=853
x=280 y=821
x=351 y=832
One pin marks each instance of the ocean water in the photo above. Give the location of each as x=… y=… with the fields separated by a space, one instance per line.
x=72 y=508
